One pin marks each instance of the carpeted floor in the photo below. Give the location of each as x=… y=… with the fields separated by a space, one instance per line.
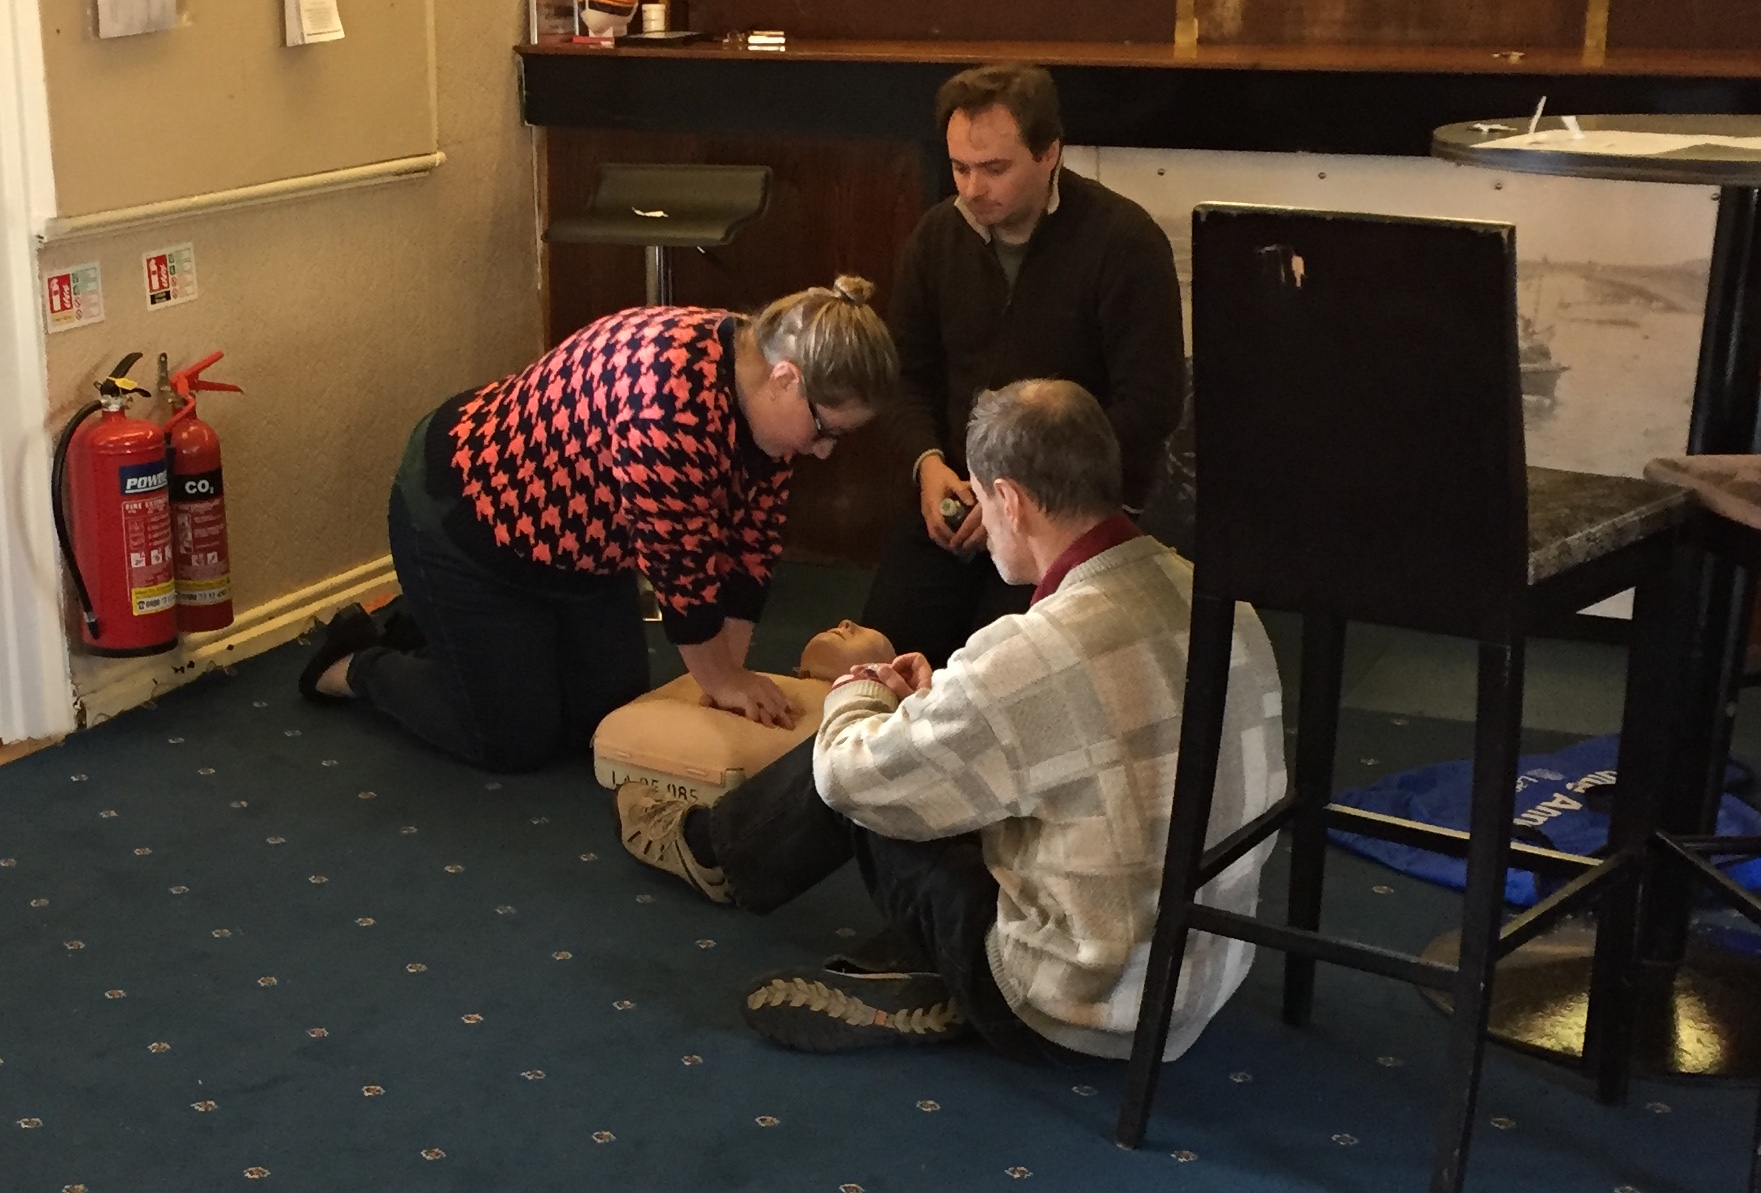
x=246 y=939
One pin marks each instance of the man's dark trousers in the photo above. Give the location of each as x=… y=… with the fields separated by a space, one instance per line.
x=774 y=839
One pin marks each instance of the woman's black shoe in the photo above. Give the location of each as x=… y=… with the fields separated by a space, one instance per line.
x=350 y=630
x=398 y=630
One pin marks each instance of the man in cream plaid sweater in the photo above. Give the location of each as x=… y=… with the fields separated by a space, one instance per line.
x=1009 y=812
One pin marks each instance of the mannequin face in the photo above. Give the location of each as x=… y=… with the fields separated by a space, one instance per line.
x=833 y=652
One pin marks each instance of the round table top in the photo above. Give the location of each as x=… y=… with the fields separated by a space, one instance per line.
x=1720 y=150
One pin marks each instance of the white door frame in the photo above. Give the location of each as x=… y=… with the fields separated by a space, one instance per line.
x=36 y=693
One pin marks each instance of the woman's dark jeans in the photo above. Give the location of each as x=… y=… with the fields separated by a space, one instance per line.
x=511 y=677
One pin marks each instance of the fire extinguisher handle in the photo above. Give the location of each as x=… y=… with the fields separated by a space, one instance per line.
x=189 y=379
x=118 y=384
x=58 y=479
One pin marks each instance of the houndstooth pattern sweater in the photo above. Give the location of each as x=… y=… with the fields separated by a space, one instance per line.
x=623 y=448
x=1054 y=735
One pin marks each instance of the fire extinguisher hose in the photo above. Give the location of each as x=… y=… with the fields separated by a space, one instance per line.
x=60 y=506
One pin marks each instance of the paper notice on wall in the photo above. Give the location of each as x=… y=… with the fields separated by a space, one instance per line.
x=310 y=21
x=170 y=275
x=74 y=297
x=125 y=18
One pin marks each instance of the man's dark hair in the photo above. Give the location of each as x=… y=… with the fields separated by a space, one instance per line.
x=1053 y=439
x=1025 y=92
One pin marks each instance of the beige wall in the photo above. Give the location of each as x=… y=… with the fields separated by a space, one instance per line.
x=221 y=102
x=344 y=316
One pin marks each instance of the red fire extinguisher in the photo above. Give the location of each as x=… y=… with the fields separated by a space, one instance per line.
x=198 y=506
x=113 y=472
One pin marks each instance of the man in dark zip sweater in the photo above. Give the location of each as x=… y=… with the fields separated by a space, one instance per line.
x=1029 y=271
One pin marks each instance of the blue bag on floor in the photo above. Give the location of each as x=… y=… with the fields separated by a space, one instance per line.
x=1561 y=804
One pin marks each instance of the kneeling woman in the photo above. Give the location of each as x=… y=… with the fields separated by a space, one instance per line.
x=656 y=441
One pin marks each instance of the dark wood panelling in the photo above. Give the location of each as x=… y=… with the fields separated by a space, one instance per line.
x=836 y=207
x=933 y=20
x=1685 y=24
x=1506 y=24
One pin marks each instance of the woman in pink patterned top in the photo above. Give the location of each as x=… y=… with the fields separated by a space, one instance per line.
x=657 y=441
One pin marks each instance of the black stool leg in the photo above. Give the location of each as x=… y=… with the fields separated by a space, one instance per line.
x=1195 y=779
x=1317 y=736
x=1652 y=699
x=1717 y=626
x=1755 y=1154
x=1498 y=725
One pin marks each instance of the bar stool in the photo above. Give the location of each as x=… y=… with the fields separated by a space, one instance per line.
x=663 y=207
x=1360 y=458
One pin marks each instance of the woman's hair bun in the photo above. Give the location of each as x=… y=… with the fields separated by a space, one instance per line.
x=851 y=288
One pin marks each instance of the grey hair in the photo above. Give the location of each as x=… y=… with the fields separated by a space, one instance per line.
x=1053 y=439
x=842 y=347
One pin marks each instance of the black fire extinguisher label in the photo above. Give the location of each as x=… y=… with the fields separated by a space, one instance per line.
x=196 y=486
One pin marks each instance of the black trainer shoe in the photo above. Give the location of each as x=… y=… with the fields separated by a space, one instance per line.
x=820 y=1010
x=350 y=630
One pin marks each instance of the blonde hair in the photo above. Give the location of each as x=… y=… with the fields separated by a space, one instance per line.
x=840 y=344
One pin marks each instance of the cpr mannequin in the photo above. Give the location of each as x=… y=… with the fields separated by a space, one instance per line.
x=671 y=740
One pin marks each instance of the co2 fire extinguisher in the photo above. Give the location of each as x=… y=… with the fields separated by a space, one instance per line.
x=198 y=506
x=114 y=475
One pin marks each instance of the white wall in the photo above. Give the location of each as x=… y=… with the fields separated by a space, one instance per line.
x=35 y=700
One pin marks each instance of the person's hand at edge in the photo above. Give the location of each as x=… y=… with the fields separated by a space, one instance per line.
x=935 y=481
x=903 y=677
x=728 y=685
x=755 y=697
x=914 y=670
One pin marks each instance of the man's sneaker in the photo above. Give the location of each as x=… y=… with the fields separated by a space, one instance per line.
x=820 y=1010
x=652 y=825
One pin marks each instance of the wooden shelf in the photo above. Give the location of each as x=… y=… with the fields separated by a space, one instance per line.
x=1445 y=60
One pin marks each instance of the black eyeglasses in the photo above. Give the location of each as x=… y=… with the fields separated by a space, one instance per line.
x=820 y=430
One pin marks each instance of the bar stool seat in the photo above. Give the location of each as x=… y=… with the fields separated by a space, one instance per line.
x=664 y=207
x=1360 y=457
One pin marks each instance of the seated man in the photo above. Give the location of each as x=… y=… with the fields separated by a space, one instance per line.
x=674 y=739
x=1008 y=812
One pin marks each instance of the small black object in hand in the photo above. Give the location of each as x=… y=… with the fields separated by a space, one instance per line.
x=954 y=512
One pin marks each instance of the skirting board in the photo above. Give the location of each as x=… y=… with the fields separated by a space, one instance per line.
x=104 y=688
x=13 y=750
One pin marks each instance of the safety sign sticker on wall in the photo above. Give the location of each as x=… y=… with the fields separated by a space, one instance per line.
x=171 y=275
x=74 y=297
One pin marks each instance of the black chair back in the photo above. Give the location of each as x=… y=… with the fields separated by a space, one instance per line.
x=1359 y=416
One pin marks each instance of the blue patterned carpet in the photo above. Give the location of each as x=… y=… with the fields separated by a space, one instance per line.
x=247 y=943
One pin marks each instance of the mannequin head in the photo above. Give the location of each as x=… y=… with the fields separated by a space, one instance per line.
x=831 y=653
